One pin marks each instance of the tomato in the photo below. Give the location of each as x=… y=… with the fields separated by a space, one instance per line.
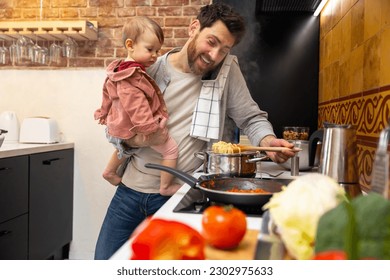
x=331 y=255
x=159 y=239
x=223 y=226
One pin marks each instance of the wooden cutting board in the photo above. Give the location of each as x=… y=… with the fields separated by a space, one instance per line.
x=245 y=251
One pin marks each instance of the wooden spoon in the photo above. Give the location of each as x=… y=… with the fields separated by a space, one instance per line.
x=267 y=149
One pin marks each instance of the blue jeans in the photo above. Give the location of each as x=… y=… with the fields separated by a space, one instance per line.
x=128 y=208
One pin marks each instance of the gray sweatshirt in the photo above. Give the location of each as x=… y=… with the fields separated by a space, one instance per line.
x=181 y=91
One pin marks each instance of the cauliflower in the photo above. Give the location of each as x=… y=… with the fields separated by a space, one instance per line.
x=297 y=209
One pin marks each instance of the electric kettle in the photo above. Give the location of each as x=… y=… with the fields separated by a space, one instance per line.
x=338 y=158
x=9 y=121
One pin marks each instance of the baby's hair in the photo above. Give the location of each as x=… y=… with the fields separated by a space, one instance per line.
x=135 y=26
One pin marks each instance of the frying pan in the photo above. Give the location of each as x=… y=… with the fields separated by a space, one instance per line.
x=218 y=188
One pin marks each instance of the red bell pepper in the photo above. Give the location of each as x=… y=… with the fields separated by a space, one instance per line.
x=160 y=239
x=331 y=255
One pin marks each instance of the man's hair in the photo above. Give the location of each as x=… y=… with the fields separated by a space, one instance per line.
x=234 y=22
x=135 y=26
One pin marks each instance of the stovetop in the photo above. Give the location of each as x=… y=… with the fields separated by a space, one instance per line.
x=195 y=202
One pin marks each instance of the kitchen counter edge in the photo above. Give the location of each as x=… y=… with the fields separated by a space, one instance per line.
x=20 y=149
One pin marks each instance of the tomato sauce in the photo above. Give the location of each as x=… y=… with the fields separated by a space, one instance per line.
x=238 y=190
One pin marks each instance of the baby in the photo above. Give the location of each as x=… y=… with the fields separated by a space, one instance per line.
x=132 y=102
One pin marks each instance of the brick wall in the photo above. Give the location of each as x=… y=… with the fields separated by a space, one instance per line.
x=174 y=17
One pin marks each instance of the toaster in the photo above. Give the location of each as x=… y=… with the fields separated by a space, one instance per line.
x=42 y=130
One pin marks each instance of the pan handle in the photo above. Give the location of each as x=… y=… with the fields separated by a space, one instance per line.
x=256 y=159
x=201 y=155
x=186 y=178
x=205 y=157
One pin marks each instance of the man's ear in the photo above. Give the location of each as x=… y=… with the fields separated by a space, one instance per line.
x=129 y=43
x=194 y=28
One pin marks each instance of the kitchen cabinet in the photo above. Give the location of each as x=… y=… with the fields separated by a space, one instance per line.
x=14 y=239
x=51 y=204
x=36 y=205
x=13 y=207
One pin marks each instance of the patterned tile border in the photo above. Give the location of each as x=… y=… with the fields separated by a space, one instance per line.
x=369 y=112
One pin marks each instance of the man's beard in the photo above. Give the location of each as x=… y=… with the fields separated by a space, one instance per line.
x=192 y=56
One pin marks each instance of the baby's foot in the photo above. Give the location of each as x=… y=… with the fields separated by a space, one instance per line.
x=112 y=177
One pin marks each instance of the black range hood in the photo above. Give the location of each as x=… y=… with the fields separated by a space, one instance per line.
x=286 y=6
x=279 y=58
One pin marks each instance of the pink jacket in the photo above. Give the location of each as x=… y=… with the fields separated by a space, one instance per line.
x=132 y=103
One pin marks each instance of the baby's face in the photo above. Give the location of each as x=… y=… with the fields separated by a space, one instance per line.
x=146 y=49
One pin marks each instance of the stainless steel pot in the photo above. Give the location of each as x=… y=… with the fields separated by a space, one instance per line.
x=234 y=165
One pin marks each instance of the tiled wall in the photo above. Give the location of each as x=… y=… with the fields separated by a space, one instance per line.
x=354 y=81
x=173 y=15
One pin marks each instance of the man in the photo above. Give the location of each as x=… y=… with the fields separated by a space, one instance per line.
x=206 y=97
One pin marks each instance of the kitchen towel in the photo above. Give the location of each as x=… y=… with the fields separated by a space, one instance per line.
x=205 y=119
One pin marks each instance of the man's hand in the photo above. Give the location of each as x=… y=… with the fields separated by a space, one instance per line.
x=278 y=157
x=157 y=138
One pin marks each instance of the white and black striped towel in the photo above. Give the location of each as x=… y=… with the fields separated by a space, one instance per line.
x=205 y=119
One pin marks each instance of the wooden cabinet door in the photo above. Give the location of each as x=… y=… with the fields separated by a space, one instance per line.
x=51 y=203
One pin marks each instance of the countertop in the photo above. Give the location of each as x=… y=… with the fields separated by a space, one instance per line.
x=194 y=220
x=13 y=149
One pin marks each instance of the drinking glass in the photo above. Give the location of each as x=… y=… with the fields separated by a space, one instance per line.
x=4 y=56
x=36 y=50
x=13 y=49
x=24 y=50
x=69 y=47
x=55 y=53
x=43 y=55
